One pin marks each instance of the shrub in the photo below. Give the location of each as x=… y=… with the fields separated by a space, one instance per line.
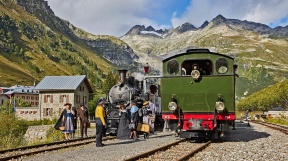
x=12 y=132
x=54 y=135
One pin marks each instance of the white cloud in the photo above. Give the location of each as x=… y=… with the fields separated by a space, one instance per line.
x=116 y=17
x=262 y=11
x=105 y=16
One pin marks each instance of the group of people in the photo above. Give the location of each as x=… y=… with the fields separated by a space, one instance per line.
x=136 y=113
x=67 y=121
x=140 y=113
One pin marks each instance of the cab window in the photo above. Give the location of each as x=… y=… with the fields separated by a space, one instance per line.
x=222 y=66
x=173 y=67
x=204 y=66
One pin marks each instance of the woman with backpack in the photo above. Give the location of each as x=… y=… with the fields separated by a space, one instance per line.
x=134 y=120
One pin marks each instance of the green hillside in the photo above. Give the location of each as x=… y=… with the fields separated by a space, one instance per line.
x=266 y=99
x=33 y=45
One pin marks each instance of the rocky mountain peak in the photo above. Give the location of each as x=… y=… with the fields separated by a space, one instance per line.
x=149 y=28
x=41 y=10
x=135 y=30
x=185 y=27
x=219 y=20
x=204 y=24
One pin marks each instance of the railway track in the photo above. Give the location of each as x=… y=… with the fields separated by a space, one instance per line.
x=179 y=150
x=15 y=153
x=281 y=128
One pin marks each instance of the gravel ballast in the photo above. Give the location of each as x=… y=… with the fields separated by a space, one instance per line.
x=246 y=143
x=113 y=151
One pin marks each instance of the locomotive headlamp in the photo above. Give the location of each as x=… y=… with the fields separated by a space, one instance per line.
x=219 y=106
x=195 y=74
x=172 y=106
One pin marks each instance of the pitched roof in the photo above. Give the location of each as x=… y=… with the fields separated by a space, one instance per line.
x=21 y=89
x=50 y=83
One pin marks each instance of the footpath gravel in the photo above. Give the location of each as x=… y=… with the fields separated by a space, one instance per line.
x=248 y=143
x=113 y=151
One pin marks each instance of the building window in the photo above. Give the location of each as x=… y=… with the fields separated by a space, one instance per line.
x=85 y=99
x=32 y=103
x=48 y=98
x=32 y=98
x=36 y=103
x=27 y=97
x=64 y=98
x=78 y=98
x=47 y=111
x=23 y=97
x=37 y=98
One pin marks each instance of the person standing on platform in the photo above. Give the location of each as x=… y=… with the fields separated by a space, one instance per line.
x=75 y=120
x=123 y=128
x=134 y=119
x=83 y=116
x=153 y=109
x=66 y=120
x=100 y=121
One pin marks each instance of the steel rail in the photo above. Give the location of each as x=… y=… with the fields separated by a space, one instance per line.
x=272 y=126
x=192 y=153
x=46 y=144
x=52 y=148
x=151 y=152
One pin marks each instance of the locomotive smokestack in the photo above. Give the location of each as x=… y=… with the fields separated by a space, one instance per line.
x=122 y=74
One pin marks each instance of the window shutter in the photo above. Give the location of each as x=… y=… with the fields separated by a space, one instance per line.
x=51 y=111
x=67 y=98
x=61 y=98
x=44 y=111
x=51 y=98
x=45 y=98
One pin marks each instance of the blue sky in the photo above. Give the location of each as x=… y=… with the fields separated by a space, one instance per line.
x=116 y=17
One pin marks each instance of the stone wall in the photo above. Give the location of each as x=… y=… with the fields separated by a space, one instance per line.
x=36 y=133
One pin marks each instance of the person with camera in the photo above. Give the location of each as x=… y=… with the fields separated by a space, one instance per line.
x=100 y=121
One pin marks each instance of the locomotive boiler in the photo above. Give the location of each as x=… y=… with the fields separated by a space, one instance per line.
x=121 y=93
x=127 y=89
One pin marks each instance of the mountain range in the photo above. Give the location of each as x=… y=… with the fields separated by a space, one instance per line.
x=259 y=51
x=35 y=42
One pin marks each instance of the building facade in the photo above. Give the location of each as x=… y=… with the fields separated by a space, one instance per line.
x=26 y=94
x=3 y=97
x=55 y=91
